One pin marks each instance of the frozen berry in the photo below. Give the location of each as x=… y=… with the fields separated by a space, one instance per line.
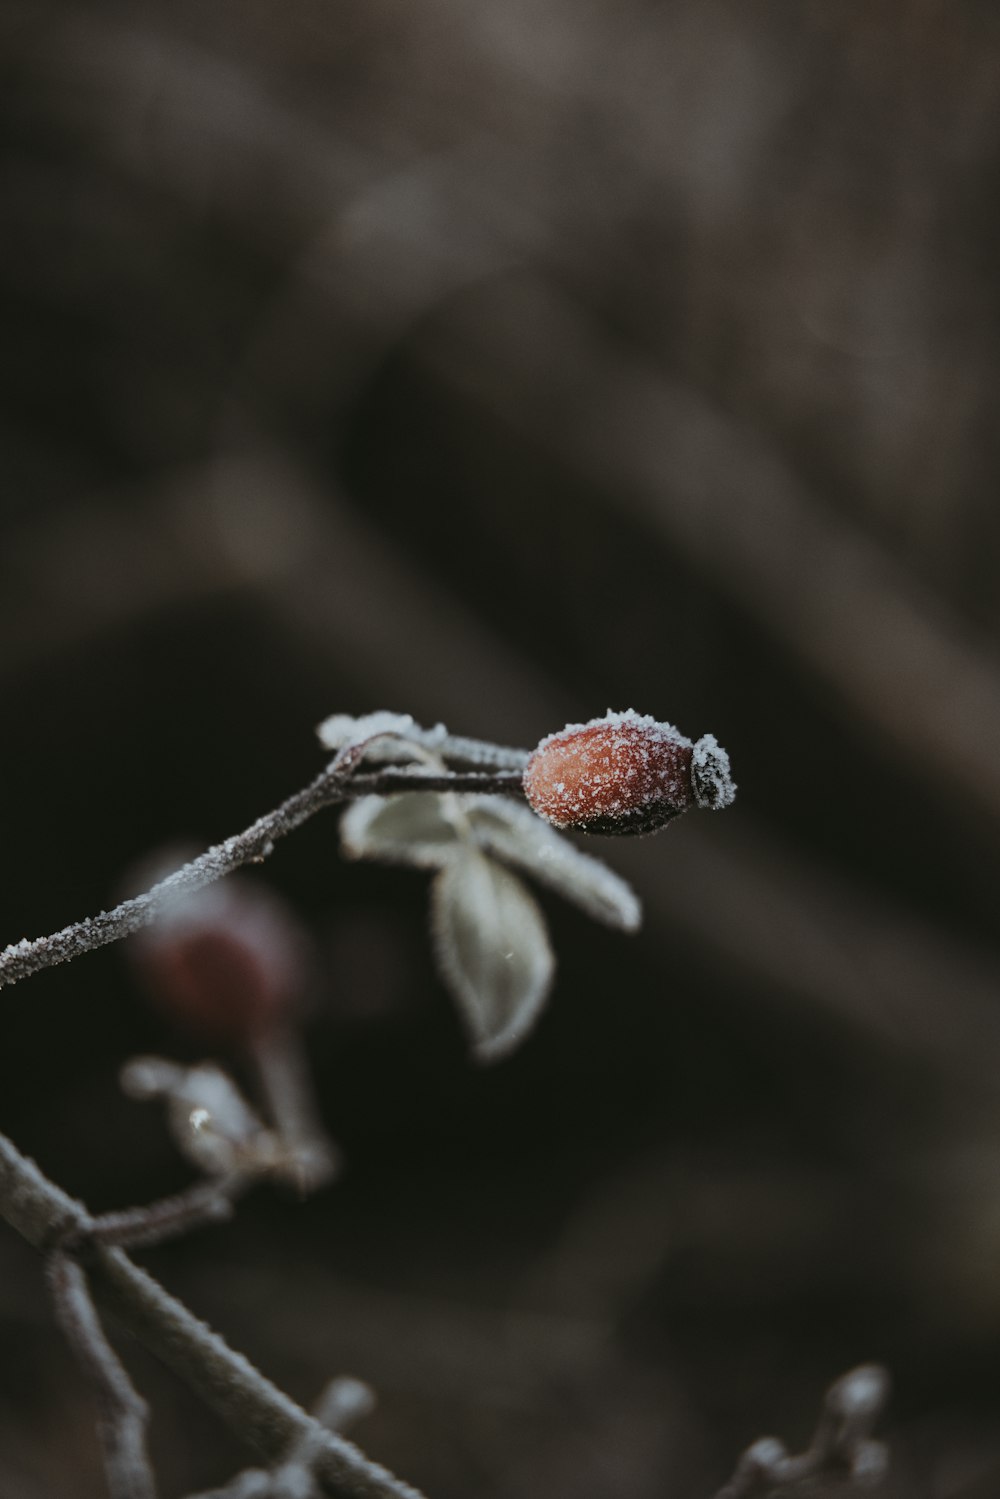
x=624 y=773
x=226 y=963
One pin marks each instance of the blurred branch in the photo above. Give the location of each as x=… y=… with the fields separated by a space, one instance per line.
x=205 y=1203
x=424 y=1344
x=842 y=1446
x=278 y=1058
x=253 y=1407
x=123 y=1413
x=344 y=1401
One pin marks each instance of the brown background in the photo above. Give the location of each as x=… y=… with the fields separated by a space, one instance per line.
x=500 y=362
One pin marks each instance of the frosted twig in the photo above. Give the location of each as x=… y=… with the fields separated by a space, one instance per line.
x=255 y=1409
x=841 y=1447
x=334 y=785
x=122 y=1411
x=385 y=734
x=344 y=1401
x=143 y=1227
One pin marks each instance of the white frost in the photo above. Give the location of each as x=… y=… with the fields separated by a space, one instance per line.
x=399 y=731
x=711 y=777
x=625 y=718
x=340 y=729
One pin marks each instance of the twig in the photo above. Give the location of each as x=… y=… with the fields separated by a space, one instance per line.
x=252 y=846
x=122 y=1411
x=283 y=1076
x=250 y=1404
x=168 y=1218
x=841 y=1447
x=344 y=1401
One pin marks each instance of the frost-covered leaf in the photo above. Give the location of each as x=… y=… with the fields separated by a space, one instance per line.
x=381 y=738
x=341 y=729
x=513 y=833
x=493 y=950
x=391 y=738
x=410 y=828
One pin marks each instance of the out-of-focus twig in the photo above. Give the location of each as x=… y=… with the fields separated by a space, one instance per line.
x=122 y=1411
x=344 y=1401
x=254 y=1408
x=286 y=1087
x=143 y=1227
x=842 y=1446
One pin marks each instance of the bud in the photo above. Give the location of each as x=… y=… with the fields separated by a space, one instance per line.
x=211 y=1122
x=226 y=963
x=624 y=773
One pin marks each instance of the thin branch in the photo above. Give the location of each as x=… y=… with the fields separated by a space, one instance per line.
x=279 y=1060
x=344 y=1401
x=454 y=749
x=204 y=1203
x=252 y=1483
x=252 y=846
x=255 y=1409
x=842 y=1446
x=122 y=1411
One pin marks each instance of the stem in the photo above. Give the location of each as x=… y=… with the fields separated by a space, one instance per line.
x=250 y=1404
x=278 y=1058
x=344 y=1401
x=141 y=1228
x=122 y=1411
x=842 y=1446
x=252 y=846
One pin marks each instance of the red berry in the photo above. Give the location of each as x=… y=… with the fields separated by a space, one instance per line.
x=624 y=774
x=225 y=963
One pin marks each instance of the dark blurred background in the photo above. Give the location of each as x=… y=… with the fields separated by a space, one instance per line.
x=500 y=362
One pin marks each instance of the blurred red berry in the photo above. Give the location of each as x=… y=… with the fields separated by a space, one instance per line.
x=226 y=963
x=624 y=773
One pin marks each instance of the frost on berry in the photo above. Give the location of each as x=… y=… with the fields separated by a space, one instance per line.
x=711 y=779
x=624 y=773
x=340 y=730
